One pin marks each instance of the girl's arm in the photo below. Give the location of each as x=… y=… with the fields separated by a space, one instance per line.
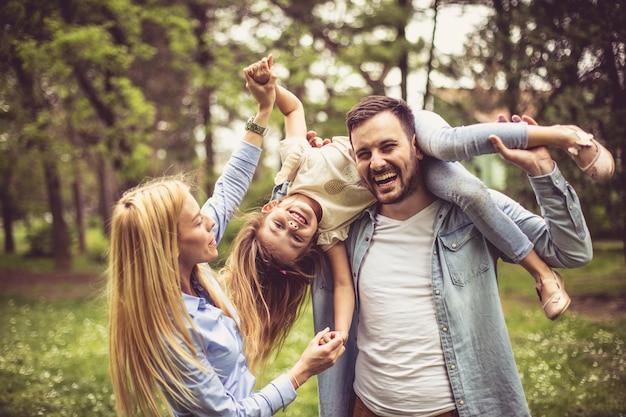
x=344 y=289
x=291 y=107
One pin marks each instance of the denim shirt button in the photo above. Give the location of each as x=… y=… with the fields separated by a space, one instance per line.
x=454 y=246
x=445 y=330
x=461 y=402
x=453 y=367
x=437 y=292
x=434 y=252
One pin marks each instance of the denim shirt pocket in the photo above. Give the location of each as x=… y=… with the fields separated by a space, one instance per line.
x=464 y=253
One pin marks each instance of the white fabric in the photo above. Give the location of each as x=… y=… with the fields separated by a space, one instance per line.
x=400 y=373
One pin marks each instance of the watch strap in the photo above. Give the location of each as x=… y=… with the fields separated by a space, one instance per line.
x=250 y=125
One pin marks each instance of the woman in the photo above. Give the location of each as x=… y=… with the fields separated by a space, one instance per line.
x=173 y=335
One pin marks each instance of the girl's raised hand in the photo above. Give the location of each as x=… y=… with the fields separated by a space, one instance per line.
x=264 y=94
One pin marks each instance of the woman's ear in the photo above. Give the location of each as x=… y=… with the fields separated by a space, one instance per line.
x=269 y=206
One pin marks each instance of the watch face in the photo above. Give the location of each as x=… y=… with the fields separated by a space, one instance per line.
x=250 y=125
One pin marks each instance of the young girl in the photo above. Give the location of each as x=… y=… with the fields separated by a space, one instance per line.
x=322 y=195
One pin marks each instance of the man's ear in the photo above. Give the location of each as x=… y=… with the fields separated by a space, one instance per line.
x=269 y=206
x=418 y=151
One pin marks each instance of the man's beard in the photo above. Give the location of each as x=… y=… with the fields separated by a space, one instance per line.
x=412 y=185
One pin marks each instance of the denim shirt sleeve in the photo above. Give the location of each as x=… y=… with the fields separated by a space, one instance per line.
x=231 y=187
x=560 y=235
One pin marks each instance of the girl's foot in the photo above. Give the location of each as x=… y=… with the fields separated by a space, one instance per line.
x=592 y=158
x=552 y=295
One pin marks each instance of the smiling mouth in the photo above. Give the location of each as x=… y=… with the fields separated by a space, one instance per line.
x=298 y=217
x=385 y=178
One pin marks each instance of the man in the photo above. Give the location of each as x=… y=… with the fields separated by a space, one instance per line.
x=428 y=336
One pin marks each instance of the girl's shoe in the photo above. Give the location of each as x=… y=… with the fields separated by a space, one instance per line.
x=595 y=160
x=555 y=303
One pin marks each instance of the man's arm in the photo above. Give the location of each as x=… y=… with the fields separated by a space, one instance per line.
x=560 y=235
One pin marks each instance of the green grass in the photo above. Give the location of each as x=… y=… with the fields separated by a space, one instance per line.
x=53 y=358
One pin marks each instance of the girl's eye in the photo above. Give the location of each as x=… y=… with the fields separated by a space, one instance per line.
x=278 y=225
x=298 y=239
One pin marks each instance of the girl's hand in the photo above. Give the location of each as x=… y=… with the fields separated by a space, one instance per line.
x=264 y=94
x=328 y=337
x=315 y=141
x=261 y=70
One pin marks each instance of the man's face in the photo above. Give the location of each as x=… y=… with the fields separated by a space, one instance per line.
x=387 y=160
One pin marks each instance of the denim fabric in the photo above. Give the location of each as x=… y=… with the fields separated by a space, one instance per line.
x=474 y=337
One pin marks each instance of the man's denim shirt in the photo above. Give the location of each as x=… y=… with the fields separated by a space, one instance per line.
x=473 y=333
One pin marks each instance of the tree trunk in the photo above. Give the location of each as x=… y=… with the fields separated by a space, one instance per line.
x=211 y=175
x=8 y=207
x=106 y=197
x=79 y=209
x=60 y=234
x=431 y=56
x=77 y=193
x=7 y=225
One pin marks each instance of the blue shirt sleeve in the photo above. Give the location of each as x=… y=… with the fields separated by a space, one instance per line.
x=231 y=187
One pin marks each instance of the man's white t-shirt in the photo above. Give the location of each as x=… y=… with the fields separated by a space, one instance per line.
x=400 y=369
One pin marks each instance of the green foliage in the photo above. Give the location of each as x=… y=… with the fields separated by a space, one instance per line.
x=53 y=352
x=562 y=63
x=39 y=239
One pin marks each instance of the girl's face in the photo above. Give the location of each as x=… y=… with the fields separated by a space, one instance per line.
x=289 y=227
x=196 y=243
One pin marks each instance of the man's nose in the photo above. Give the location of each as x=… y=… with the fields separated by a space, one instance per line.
x=377 y=162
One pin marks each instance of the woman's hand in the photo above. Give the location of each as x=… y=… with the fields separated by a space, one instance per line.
x=316 y=358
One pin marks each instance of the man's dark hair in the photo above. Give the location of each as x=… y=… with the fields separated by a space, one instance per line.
x=370 y=106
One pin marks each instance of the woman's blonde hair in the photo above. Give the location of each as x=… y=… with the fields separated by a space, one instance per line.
x=267 y=294
x=149 y=345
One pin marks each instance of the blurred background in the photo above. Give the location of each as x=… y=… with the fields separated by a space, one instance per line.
x=96 y=95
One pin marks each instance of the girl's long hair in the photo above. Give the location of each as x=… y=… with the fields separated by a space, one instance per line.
x=149 y=345
x=269 y=296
